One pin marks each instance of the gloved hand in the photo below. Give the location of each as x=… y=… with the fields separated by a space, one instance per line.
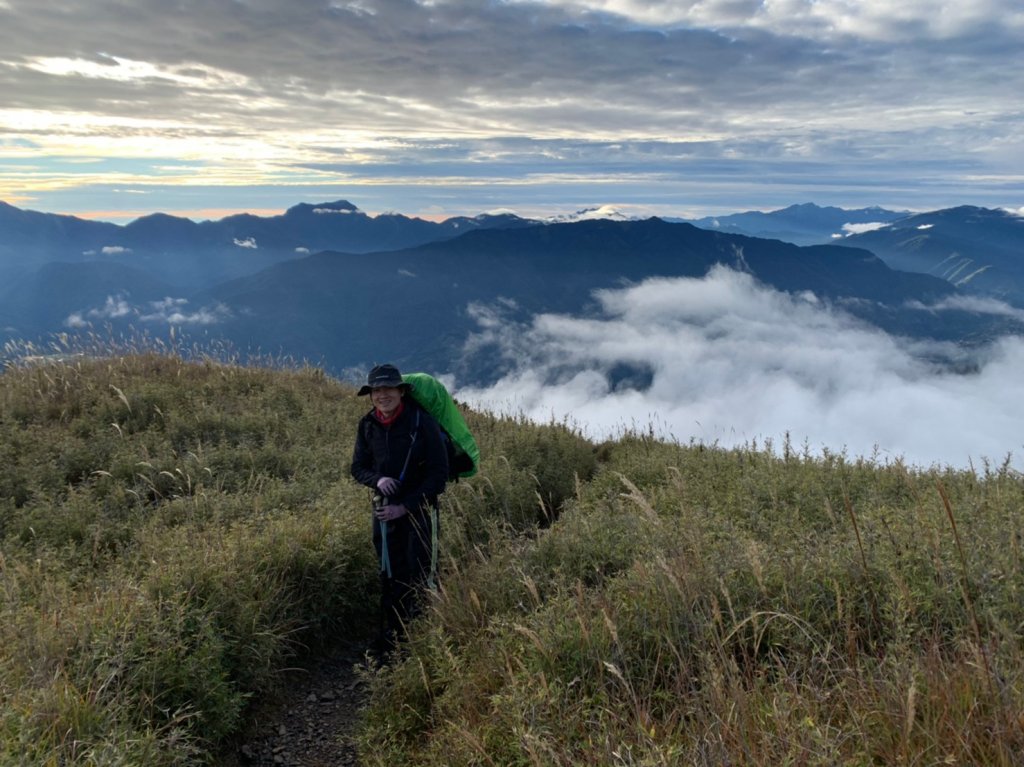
x=388 y=485
x=390 y=512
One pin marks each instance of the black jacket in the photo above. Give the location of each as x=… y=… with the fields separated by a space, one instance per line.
x=381 y=451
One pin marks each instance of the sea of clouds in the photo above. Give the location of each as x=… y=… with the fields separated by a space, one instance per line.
x=724 y=360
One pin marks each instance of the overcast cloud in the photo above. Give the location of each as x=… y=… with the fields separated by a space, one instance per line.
x=723 y=360
x=454 y=106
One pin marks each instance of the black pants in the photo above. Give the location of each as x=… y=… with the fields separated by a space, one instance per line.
x=410 y=544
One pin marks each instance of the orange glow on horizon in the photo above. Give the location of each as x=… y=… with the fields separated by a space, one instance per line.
x=199 y=214
x=214 y=214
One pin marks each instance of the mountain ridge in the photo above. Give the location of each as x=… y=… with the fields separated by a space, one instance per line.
x=977 y=249
x=342 y=297
x=193 y=254
x=326 y=305
x=801 y=224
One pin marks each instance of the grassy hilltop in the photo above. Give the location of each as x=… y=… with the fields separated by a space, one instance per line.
x=173 y=534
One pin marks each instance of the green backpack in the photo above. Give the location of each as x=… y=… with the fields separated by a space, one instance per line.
x=432 y=396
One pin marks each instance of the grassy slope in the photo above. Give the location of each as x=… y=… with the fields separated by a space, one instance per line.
x=695 y=606
x=172 y=534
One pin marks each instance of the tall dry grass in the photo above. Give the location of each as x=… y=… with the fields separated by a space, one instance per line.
x=706 y=606
x=175 y=530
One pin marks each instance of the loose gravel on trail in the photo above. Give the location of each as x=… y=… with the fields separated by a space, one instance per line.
x=310 y=723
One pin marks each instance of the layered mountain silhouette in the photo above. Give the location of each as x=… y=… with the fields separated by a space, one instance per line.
x=805 y=224
x=192 y=255
x=416 y=291
x=421 y=304
x=979 y=250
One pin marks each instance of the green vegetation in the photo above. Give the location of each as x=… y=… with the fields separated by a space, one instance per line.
x=704 y=606
x=173 y=534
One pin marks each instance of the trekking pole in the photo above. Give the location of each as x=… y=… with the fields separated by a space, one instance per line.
x=379 y=501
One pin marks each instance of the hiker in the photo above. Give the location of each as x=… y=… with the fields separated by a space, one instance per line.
x=399 y=453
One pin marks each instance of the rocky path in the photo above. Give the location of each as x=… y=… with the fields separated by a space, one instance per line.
x=311 y=723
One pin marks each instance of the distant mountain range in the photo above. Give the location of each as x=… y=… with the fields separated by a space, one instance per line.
x=191 y=255
x=420 y=300
x=332 y=285
x=806 y=224
x=980 y=251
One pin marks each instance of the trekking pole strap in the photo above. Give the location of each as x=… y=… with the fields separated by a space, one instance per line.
x=385 y=558
x=412 y=441
x=432 y=575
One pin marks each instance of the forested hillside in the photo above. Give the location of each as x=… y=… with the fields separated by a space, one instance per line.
x=174 y=534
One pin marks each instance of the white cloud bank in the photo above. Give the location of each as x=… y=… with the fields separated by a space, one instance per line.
x=862 y=228
x=729 y=361
x=171 y=311
x=175 y=311
x=115 y=307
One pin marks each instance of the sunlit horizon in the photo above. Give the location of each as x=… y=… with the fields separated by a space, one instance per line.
x=437 y=109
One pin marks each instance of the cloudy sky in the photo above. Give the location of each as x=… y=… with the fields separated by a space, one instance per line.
x=726 y=361
x=442 y=107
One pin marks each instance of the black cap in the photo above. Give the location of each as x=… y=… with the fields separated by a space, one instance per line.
x=383 y=375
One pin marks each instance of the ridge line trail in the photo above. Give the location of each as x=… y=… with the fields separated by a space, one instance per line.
x=310 y=720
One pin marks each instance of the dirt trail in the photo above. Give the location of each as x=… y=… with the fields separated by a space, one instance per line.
x=311 y=722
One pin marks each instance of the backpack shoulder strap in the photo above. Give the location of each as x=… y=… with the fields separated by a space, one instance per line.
x=412 y=441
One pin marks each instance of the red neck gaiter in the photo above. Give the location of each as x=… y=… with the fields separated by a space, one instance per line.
x=394 y=416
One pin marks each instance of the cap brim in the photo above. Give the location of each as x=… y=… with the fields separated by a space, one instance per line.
x=367 y=388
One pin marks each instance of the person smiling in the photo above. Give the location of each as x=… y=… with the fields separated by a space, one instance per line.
x=400 y=454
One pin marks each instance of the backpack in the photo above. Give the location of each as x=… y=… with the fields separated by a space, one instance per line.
x=432 y=396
